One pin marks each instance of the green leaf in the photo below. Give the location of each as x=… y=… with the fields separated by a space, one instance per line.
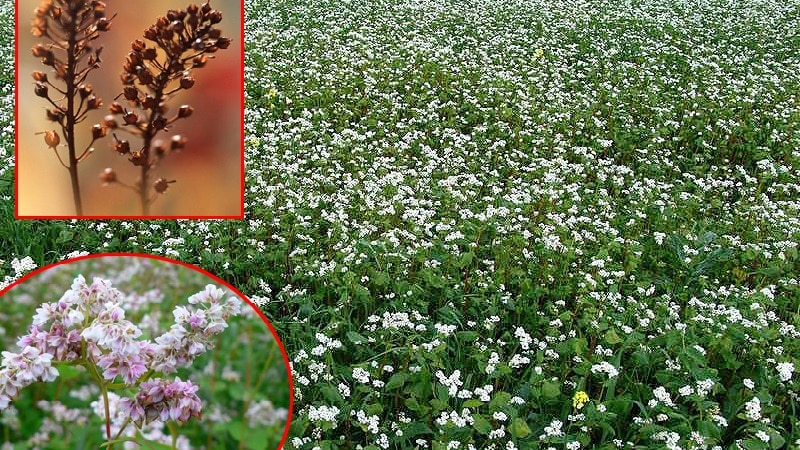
x=612 y=337
x=396 y=381
x=356 y=338
x=518 y=428
x=482 y=425
x=551 y=389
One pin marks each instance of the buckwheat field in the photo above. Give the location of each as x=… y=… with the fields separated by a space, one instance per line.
x=506 y=224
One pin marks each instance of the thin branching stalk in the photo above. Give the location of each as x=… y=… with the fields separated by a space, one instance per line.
x=152 y=75
x=68 y=28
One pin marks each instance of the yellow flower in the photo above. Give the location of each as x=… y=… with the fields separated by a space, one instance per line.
x=538 y=54
x=579 y=399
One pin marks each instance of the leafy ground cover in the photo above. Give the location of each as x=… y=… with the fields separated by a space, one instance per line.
x=511 y=224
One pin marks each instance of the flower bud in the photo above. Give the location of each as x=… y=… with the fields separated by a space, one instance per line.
x=40 y=51
x=192 y=9
x=151 y=33
x=148 y=102
x=40 y=90
x=149 y=54
x=40 y=76
x=215 y=17
x=198 y=44
x=185 y=111
x=159 y=149
x=108 y=176
x=178 y=26
x=199 y=61
x=205 y=8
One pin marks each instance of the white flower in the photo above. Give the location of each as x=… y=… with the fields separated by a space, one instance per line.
x=785 y=371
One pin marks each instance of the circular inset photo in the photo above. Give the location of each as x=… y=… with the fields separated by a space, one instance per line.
x=127 y=351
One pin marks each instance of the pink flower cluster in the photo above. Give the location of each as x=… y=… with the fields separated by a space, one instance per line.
x=194 y=329
x=88 y=325
x=163 y=400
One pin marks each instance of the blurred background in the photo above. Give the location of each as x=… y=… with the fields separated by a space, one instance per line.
x=208 y=170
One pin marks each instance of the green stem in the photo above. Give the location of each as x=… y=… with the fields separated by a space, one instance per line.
x=173 y=430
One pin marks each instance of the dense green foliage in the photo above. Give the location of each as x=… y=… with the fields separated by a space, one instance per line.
x=460 y=214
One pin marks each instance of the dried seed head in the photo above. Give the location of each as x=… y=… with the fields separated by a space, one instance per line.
x=161 y=185
x=51 y=138
x=108 y=176
x=40 y=76
x=55 y=115
x=187 y=82
x=116 y=108
x=185 y=111
x=160 y=123
x=130 y=118
x=94 y=102
x=178 y=142
x=131 y=93
x=148 y=102
x=121 y=147
x=40 y=90
x=159 y=148
x=199 y=61
x=215 y=17
x=110 y=122
x=138 y=45
x=98 y=131
x=104 y=24
x=138 y=159
x=223 y=42
x=84 y=90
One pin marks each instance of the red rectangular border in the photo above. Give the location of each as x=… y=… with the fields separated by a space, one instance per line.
x=124 y=217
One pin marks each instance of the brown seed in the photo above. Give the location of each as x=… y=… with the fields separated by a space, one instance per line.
x=161 y=185
x=178 y=142
x=223 y=42
x=116 y=108
x=138 y=159
x=84 y=90
x=138 y=45
x=40 y=51
x=185 y=111
x=55 y=115
x=104 y=24
x=52 y=139
x=131 y=93
x=40 y=90
x=215 y=17
x=121 y=147
x=110 y=122
x=187 y=82
x=40 y=76
x=98 y=131
x=94 y=102
x=130 y=118
x=160 y=123
x=108 y=176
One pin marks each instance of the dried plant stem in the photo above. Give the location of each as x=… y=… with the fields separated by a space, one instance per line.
x=69 y=128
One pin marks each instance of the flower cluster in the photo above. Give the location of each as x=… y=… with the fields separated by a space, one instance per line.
x=163 y=400
x=87 y=327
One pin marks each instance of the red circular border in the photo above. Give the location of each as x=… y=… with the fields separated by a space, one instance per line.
x=208 y=274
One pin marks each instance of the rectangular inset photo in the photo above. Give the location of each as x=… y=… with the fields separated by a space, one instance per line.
x=129 y=109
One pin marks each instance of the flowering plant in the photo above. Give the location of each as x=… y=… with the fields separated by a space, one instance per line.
x=86 y=328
